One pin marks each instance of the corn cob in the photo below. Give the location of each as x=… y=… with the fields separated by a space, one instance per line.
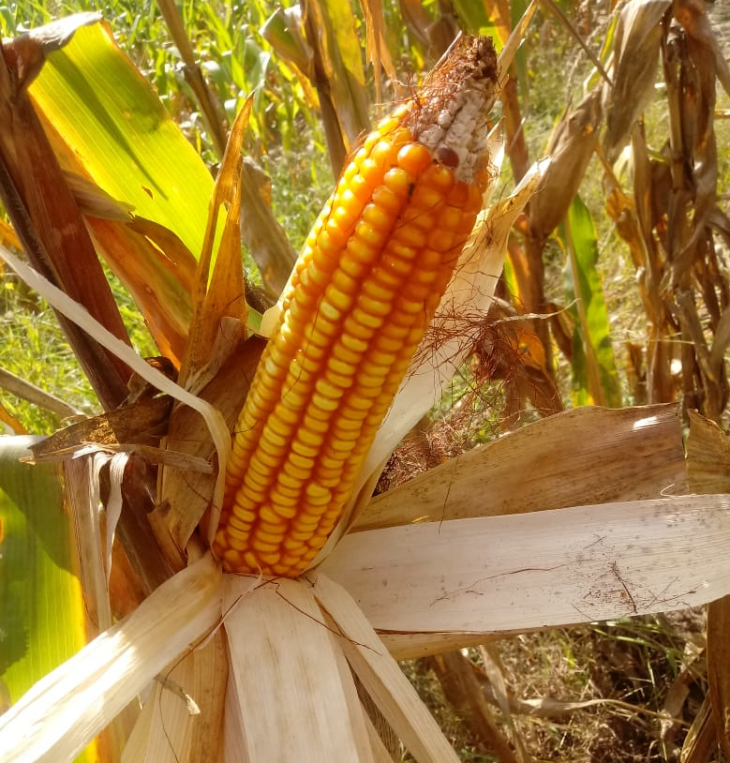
x=360 y=298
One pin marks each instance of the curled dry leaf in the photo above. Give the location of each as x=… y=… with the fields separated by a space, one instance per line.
x=141 y=422
x=219 y=294
x=261 y=232
x=570 y=149
x=637 y=42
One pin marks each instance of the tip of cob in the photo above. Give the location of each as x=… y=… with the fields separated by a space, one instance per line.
x=449 y=113
x=358 y=303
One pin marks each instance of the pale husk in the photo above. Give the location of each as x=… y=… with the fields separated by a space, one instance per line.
x=381 y=676
x=526 y=571
x=64 y=711
x=288 y=699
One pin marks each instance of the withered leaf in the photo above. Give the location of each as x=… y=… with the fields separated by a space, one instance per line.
x=261 y=232
x=708 y=456
x=141 y=422
x=636 y=53
x=571 y=148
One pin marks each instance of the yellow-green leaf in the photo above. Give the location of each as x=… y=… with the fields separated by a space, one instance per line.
x=101 y=108
x=42 y=614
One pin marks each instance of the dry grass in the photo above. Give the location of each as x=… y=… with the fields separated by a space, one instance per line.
x=619 y=692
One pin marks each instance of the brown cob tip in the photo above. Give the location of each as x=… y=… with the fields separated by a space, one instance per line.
x=449 y=114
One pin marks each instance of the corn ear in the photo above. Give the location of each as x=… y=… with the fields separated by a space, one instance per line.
x=359 y=300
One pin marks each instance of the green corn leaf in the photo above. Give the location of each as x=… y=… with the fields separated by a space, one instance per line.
x=595 y=376
x=107 y=125
x=474 y=17
x=42 y=614
x=114 y=126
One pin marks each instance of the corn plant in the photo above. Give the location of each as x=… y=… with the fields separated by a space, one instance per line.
x=244 y=596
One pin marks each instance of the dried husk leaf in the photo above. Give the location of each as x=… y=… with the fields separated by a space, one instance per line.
x=164 y=729
x=597 y=455
x=636 y=55
x=262 y=233
x=524 y=571
x=571 y=148
x=285 y=681
x=182 y=720
x=185 y=496
x=55 y=720
x=395 y=697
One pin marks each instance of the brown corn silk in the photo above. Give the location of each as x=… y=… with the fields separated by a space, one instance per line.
x=358 y=302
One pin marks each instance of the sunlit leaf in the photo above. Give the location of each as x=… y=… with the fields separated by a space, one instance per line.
x=103 y=111
x=601 y=375
x=41 y=603
x=106 y=124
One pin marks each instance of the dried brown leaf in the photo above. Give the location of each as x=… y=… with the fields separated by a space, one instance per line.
x=571 y=148
x=596 y=455
x=708 y=456
x=222 y=294
x=636 y=56
x=140 y=422
x=376 y=48
x=263 y=235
